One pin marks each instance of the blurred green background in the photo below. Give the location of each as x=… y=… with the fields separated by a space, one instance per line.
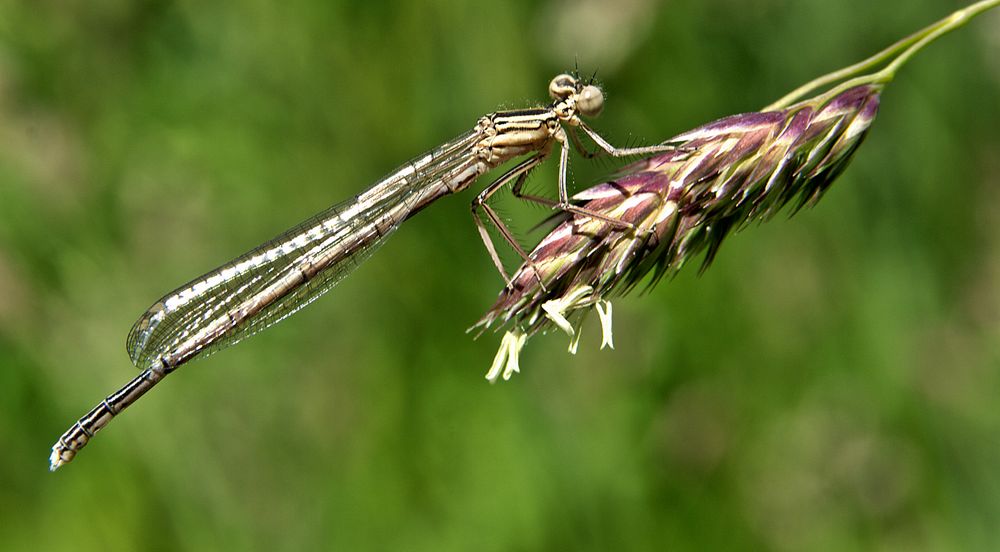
x=831 y=383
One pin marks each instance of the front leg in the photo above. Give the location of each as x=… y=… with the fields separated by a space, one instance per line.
x=564 y=203
x=607 y=149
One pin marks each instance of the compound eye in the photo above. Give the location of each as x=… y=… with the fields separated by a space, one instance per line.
x=562 y=87
x=590 y=101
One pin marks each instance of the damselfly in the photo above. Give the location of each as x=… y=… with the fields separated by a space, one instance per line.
x=283 y=275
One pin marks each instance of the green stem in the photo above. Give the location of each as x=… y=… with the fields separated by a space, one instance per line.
x=909 y=46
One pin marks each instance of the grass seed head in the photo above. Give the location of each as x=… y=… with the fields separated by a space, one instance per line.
x=679 y=205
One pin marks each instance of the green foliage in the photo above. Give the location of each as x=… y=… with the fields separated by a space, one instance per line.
x=831 y=383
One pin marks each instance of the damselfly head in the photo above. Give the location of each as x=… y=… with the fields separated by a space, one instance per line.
x=562 y=87
x=589 y=99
